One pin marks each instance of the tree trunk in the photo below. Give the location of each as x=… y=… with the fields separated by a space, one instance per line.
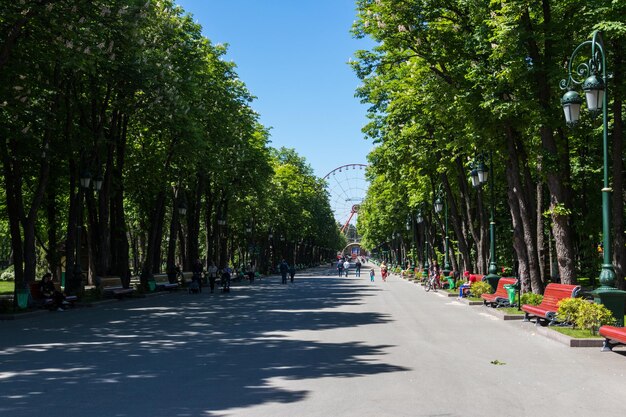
x=617 y=213
x=555 y=163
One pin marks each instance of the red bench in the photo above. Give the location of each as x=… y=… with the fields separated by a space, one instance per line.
x=546 y=311
x=475 y=278
x=613 y=336
x=500 y=298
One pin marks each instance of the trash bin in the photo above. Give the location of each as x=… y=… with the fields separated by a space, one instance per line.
x=22 y=298
x=450 y=282
x=510 y=289
x=151 y=285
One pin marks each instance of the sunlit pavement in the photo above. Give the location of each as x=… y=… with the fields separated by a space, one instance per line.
x=324 y=346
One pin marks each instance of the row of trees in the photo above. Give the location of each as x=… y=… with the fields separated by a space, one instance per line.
x=130 y=94
x=451 y=82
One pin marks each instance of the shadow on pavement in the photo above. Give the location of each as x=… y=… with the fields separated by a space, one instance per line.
x=187 y=355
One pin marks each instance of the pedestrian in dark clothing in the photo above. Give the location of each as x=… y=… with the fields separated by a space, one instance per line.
x=197 y=274
x=357 y=272
x=212 y=271
x=284 y=269
x=340 y=267
x=292 y=272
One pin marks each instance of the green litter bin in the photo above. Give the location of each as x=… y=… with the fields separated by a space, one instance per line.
x=510 y=289
x=22 y=298
x=450 y=282
x=151 y=285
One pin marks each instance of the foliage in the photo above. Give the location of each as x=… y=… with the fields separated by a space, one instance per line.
x=131 y=91
x=569 y=308
x=444 y=84
x=8 y=274
x=531 y=299
x=479 y=288
x=584 y=315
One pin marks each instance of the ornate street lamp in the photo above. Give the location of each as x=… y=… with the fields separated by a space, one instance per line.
x=594 y=85
x=441 y=204
x=480 y=176
x=77 y=276
x=425 y=264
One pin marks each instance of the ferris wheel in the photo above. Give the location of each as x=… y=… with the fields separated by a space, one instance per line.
x=347 y=187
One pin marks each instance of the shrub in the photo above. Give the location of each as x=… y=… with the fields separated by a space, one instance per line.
x=531 y=299
x=479 y=288
x=507 y=271
x=591 y=316
x=583 y=314
x=569 y=309
x=8 y=274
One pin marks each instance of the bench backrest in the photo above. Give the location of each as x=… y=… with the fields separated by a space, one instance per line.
x=161 y=278
x=502 y=282
x=475 y=278
x=104 y=282
x=556 y=292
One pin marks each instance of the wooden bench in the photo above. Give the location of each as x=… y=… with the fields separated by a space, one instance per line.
x=613 y=336
x=48 y=302
x=500 y=298
x=113 y=286
x=162 y=283
x=546 y=311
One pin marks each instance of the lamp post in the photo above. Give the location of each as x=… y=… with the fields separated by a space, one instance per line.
x=594 y=85
x=425 y=264
x=221 y=223
x=479 y=176
x=442 y=204
x=77 y=275
x=270 y=239
x=410 y=227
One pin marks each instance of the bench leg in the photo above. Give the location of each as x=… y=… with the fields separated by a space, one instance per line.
x=607 y=346
x=526 y=316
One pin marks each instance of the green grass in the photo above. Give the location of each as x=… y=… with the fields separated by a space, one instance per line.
x=511 y=310
x=6 y=287
x=576 y=333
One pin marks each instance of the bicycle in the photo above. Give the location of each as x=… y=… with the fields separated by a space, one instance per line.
x=432 y=284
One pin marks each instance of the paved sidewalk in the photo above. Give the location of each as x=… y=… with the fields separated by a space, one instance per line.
x=324 y=346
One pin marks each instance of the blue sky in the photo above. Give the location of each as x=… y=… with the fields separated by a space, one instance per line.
x=292 y=55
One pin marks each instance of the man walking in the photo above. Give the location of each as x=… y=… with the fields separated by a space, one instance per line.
x=357 y=270
x=284 y=269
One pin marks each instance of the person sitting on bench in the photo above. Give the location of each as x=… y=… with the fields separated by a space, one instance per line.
x=48 y=290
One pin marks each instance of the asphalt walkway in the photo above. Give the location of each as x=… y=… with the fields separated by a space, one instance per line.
x=324 y=346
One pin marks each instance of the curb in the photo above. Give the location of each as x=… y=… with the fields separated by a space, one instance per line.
x=504 y=316
x=469 y=302
x=567 y=340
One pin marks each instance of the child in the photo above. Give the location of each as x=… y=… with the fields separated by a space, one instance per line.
x=371 y=275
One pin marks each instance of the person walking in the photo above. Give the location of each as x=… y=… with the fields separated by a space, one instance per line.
x=346 y=266
x=284 y=269
x=212 y=271
x=383 y=271
x=292 y=272
x=357 y=270
x=340 y=267
x=372 y=274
